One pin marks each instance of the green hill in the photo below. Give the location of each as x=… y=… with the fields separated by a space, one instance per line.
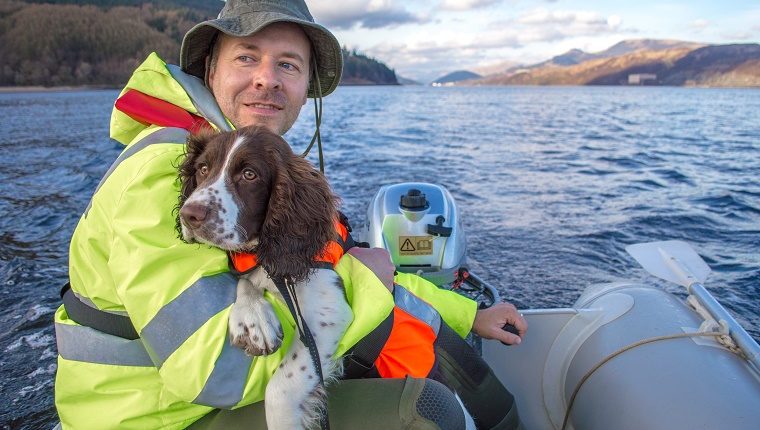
x=359 y=69
x=88 y=42
x=206 y=7
x=71 y=44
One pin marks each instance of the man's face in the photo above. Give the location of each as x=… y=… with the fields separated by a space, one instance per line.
x=262 y=79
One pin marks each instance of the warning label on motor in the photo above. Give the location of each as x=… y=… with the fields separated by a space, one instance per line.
x=415 y=245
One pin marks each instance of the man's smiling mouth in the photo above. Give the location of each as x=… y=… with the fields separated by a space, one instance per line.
x=262 y=106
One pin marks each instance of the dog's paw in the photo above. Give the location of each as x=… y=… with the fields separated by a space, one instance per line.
x=254 y=327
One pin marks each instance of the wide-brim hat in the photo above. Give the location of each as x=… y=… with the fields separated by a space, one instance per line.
x=242 y=18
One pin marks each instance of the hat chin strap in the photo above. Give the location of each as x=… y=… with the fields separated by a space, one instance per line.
x=318 y=117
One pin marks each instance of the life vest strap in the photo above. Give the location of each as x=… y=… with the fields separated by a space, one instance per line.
x=106 y=322
x=360 y=359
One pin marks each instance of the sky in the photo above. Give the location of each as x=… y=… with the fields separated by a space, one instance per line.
x=426 y=39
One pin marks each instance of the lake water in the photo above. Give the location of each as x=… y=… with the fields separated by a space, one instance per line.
x=552 y=182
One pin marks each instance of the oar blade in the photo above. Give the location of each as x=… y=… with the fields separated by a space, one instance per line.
x=654 y=256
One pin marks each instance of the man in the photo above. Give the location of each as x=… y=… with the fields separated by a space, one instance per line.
x=172 y=366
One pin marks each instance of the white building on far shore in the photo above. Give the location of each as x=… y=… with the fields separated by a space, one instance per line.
x=641 y=78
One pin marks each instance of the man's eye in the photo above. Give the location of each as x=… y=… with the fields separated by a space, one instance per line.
x=289 y=66
x=249 y=174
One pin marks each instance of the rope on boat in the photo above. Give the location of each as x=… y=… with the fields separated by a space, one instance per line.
x=710 y=325
x=716 y=334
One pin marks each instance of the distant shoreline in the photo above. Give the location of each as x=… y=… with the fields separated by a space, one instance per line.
x=41 y=89
x=367 y=84
x=72 y=88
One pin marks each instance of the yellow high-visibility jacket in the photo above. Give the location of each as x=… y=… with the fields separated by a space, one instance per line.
x=126 y=258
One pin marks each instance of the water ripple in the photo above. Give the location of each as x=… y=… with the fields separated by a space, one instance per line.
x=552 y=183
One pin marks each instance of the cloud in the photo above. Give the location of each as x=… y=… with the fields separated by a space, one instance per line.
x=546 y=25
x=741 y=35
x=426 y=56
x=537 y=26
x=542 y=25
x=374 y=14
x=467 y=4
x=698 y=25
x=430 y=54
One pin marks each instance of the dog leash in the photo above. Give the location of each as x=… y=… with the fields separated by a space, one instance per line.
x=287 y=290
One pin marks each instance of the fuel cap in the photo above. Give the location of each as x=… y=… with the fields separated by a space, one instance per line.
x=414 y=200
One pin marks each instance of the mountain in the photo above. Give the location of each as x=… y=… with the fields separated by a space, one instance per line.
x=736 y=65
x=576 y=56
x=494 y=68
x=680 y=63
x=635 y=45
x=406 y=81
x=459 y=75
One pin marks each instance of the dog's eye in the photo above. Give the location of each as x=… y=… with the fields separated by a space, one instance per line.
x=203 y=169
x=249 y=174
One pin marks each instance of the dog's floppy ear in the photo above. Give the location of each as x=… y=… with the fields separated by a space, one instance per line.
x=300 y=218
x=194 y=147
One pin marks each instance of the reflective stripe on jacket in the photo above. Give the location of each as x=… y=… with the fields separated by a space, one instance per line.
x=126 y=258
x=410 y=348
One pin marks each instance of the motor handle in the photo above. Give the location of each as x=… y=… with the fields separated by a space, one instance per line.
x=512 y=329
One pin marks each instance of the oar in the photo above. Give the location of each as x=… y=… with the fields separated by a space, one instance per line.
x=677 y=262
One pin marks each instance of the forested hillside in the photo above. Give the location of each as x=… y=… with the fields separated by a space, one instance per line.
x=47 y=44
x=88 y=42
x=359 y=69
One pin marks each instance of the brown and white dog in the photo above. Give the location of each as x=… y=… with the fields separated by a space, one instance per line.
x=246 y=190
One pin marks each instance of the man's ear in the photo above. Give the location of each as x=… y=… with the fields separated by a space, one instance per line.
x=209 y=78
x=306 y=93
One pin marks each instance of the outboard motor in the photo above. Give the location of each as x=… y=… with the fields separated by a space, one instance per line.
x=418 y=223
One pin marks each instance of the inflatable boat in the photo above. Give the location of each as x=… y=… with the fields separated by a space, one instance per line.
x=625 y=356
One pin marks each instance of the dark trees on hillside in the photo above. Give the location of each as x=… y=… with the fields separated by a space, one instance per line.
x=44 y=44
x=86 y=44
x=360 y=69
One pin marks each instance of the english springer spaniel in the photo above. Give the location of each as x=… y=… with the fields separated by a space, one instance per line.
x=247 y=191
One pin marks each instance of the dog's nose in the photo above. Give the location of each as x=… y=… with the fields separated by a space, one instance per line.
x=193 y=215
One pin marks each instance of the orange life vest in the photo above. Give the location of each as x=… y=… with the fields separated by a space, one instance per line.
x=403 y=344
x=410 y=348
x=241 y=262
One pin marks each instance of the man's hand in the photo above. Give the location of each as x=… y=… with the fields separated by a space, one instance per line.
x=378 y=260
x=489 y=322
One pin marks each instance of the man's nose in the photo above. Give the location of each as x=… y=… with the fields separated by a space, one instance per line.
x=266 y=76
